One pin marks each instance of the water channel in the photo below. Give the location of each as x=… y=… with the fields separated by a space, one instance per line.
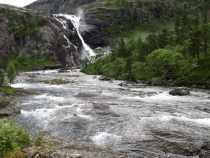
x=138 y=120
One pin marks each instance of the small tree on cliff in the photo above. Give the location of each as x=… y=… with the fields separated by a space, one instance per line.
x=1 y=77
x=11 y=72
x=122 y=49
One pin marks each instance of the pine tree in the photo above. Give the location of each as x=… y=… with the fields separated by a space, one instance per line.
x=177 y=27
x=11 y=72
x=205 y=28
x=129 y=62
x=122 y=49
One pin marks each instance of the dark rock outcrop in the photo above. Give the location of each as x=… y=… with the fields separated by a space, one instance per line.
x=160 y=81
x=6 y=107
x=180 y=91
x=71 y=150
x=105 y=78
x=58 y=6
x=33 y=33
x=9 y=110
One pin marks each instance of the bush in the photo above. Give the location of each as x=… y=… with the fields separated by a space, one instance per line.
x=11 y=137
x=11 y=72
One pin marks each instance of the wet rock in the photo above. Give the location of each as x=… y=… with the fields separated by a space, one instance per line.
x=32 y=76
x=76 y=156
x=85 y=95
x=160 y=81
x=6 y=107
x=105 y=78
x=4 y=100
x=103 y=109
x=122 y=84
x=24 y=92
x=10 y=110
x=180 y=91
x=100 y=106
x=71 y=150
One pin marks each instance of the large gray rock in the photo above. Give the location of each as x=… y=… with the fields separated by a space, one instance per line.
x=6 y=107
x=180 y=91
x=9 y=110
x=4 y=99
x=72 y=150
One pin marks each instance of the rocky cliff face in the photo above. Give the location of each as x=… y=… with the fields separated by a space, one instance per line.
x=59 y=6
x=33 y=33
x=101 y=16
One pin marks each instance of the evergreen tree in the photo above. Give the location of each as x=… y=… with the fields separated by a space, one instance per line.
x=129 y=62
x=141 y=53
x=122 y=49
x=205 y=28
x=195 y=37
x=177 y=27
x=1 y=77
x=11 y=72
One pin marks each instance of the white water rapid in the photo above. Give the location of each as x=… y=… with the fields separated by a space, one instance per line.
x=76 y=22
x=138 y=120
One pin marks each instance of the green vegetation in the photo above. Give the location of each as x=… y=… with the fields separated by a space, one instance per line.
x=10 y=90
x=179 y=52
x=12 y=137
x=10 y=67
x=22 y=24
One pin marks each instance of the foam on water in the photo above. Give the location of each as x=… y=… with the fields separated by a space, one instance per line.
x=168 y=118
x=50 y=98
x=105 y=139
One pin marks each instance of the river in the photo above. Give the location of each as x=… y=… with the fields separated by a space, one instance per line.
x=138 y=120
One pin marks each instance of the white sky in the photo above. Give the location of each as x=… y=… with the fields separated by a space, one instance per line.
x=18 y=3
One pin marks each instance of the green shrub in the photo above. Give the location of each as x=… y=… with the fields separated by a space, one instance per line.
x=11 y=72
x=12 y=136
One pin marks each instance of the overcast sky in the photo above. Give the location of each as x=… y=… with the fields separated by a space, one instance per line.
x=18 y=3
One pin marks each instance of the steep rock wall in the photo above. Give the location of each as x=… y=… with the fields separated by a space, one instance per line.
x=100 y=16
x=33 y=33
x=58 y=6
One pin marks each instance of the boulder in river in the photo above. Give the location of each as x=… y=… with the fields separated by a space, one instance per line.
x=6 y=108
x=180 y=91
x=105 y=78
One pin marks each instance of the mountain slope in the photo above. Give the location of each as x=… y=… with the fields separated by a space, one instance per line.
x=58 y=6
x=34 y=34
x=111 y=18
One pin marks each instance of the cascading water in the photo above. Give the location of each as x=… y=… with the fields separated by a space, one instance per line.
x=76 y=22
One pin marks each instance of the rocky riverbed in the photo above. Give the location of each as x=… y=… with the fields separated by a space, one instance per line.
x=136 y=120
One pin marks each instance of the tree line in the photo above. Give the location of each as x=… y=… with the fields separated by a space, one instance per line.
x=181 y=53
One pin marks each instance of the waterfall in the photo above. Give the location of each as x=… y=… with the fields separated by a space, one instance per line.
x=76 y=22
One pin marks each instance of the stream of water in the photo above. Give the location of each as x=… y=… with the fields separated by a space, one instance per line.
x=138 y=120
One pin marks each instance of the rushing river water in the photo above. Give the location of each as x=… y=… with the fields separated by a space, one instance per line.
x=138 y=120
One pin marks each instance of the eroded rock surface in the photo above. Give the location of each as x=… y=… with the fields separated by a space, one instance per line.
x=34 y=33
x=180 y=91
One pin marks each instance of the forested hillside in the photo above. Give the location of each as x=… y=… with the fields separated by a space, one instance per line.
x=178 y=54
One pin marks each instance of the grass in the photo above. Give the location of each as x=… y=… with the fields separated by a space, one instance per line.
x=10 y=90
x=12 y=137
